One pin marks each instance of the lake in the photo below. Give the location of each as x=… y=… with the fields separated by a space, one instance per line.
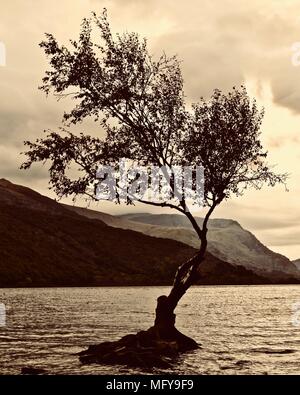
x=242 y=329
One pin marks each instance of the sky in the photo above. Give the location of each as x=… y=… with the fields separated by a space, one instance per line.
x=221 y=44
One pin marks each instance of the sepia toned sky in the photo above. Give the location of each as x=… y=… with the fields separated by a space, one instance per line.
x=221 y=43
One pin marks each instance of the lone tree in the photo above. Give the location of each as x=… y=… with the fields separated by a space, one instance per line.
x=140 y=104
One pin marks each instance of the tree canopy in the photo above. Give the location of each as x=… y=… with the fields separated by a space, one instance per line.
x=139 y=103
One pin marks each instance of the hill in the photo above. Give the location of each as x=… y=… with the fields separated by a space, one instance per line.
x=227 y=240
x=297 y=263
x=42 y=243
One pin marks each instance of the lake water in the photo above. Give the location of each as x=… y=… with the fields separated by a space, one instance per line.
x=242 y=329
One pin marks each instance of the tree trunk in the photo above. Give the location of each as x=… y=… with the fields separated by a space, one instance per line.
x=186 y=275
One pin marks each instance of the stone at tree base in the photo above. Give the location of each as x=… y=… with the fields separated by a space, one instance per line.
x=32 y=371
x=156 y=347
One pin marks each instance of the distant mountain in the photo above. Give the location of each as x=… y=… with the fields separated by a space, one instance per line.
x=44 y=243
x=227 y=240
x=297 y=263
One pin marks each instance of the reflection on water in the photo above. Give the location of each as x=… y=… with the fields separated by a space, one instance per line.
x=242 y=329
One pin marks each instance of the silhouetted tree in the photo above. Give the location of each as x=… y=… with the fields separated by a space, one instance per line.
x=139 y=102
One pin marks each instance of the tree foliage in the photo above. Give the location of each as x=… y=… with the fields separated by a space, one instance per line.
x=139 y=103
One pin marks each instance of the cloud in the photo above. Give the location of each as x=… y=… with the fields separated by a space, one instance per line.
x=220 y=45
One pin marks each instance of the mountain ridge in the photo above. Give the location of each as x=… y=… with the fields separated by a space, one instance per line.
x=227 y=240
x=160 y=225
x=42 y=243
x=296 y=262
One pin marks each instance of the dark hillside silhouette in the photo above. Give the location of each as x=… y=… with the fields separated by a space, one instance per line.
x=43 y=244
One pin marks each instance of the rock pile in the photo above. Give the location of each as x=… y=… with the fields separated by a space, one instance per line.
x=146 y=349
